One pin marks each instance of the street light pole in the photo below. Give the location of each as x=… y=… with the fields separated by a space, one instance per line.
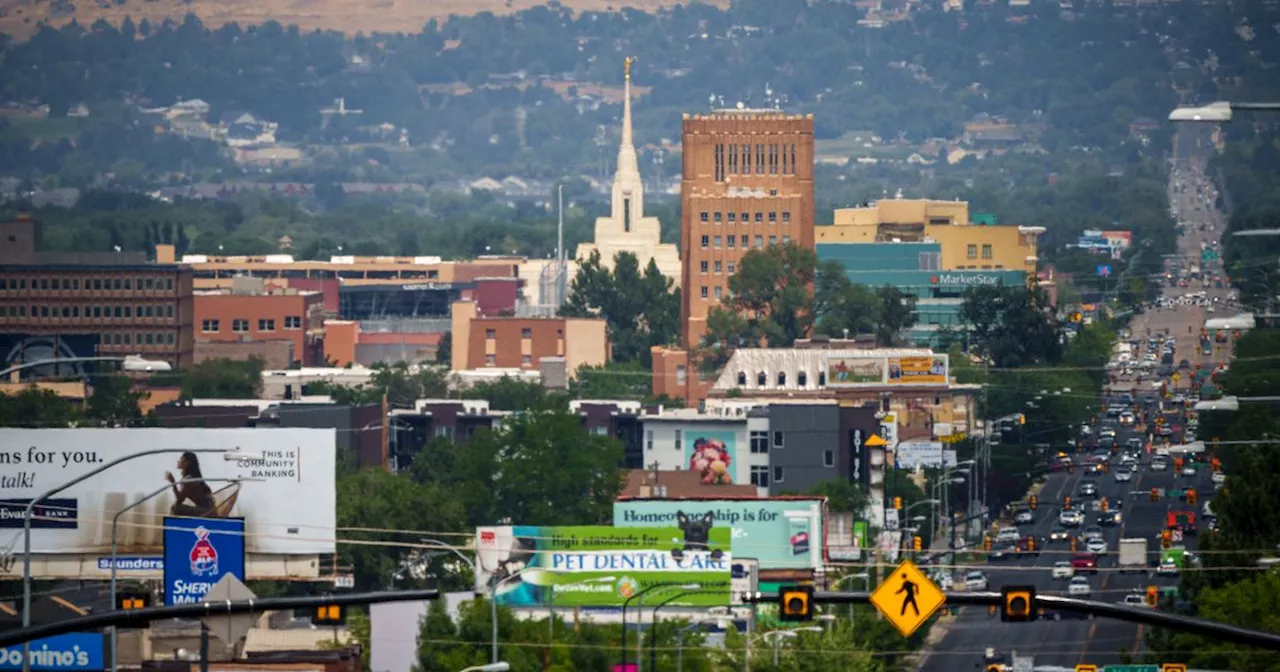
x=128 y=363
x=622 y=663
x=27 y=515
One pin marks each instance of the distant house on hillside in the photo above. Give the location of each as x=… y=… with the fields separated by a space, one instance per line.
x=243 y=129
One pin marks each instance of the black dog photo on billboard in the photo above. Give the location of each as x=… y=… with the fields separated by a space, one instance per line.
x=697 y=535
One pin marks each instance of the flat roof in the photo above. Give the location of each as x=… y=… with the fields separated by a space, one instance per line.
x=96 y=268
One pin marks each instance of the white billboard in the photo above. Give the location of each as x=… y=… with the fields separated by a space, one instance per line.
x=286 y=494
x=928 y=454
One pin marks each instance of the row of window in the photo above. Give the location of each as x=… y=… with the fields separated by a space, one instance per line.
x=759 y=440
x=88 y=284
x=702 y=267
x=525 y=333
x=732 y=217
x=772 y=158
x=492 y=360
x=139 y=338
x=731 y=241
x=802 y=379
x=111 y=311
x=972 y=251
x=241 y=326
x=719 y=292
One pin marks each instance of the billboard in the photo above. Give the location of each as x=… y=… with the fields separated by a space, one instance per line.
x=931 y=370
x=17 y=349
x=711 y=454
x=778 y=533
x=287 y=496
x=929 y=454
x=598 y=566
x=198 y=552
x=872 y=370
x=73 y=652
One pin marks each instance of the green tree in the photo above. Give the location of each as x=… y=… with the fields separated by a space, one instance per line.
x=401 y=383
x=220 y=379
x=113 y=401
x=1012 y=326
x=841 y=305
x=897 y=312
x=640 y=309
x=34 y=407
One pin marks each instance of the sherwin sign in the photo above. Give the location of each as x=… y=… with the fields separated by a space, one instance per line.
x=778 y=533
x=596 y=566
x=965 y=279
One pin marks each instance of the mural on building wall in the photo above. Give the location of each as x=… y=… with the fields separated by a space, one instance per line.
x=711 y=454
x=853 y=370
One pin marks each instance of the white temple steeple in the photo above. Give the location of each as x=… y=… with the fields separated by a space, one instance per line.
x=628 y=188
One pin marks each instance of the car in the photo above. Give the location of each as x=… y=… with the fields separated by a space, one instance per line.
x=1109 y=519
x=1058 y=533
x=1134 y=443
x=1006 y=552
x=1089 y=489
x=1184 y=364
x=1097 y=545
x=1189 y=471
x=1135 y=600
x=1219 y=478
x=1093 y=469
x=1085 y=562
x=1079 y=587
x=1008 y=535
x=975 y=581
x=1158 y=464
x=1107 y=435
x=1024 y=517
x=1072 y=518
x=1063 y=570
x=1168 y=566
x=1123 y=476
x=1091 y=532
x=1128 y=459
x=1128 y=418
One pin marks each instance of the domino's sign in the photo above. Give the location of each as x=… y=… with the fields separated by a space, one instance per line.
x=75 y=652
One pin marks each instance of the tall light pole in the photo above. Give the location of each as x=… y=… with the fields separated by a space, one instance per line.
x=229 y=455
x=1218 y=112
x=622 y=663
x=115 y=522
x=127 y=362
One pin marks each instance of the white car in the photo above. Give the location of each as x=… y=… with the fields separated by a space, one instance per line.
x=1072 y=518
x=1135 y=600
x=1063 y=570
x=1123 y=476
x=1159 y=465
x=1168 y=566
x=1024 y=517
x=975 y=581
x=1096 y=545
x=1219 y=478
x=1189 y=471
x=1079 y=587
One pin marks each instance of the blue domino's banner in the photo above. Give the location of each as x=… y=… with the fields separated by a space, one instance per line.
x=198 y=552
x=76 y=651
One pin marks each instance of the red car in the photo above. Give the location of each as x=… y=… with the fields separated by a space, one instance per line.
x=1085 y=562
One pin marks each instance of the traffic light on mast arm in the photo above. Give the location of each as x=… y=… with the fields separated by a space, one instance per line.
x=795 y=603
x=1166 y=539
x=1155 y=494
x=329 y=615
x=132 y=601
x=897 y=503
x=917 y=543
x=1034 y=502
x=1153 y=596
x=1019 y=603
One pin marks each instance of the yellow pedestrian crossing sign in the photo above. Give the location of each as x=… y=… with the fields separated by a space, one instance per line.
x=907 y=598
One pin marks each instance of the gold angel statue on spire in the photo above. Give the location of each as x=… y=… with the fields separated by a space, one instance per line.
x=626 y=66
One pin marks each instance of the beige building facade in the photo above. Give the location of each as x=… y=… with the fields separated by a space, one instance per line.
x=627 y=228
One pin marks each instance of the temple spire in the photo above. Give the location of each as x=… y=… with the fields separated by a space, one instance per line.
x=628 y=166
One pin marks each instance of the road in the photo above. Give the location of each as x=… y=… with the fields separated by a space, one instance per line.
x=1071 y=642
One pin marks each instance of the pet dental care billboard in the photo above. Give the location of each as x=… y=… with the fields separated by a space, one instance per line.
x=780 y=533
x=598 y=566
x=282 y=485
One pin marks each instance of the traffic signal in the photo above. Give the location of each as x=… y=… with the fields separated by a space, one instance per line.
x=1106 y=506
x=1106 y=466
x=329 y=614
x=1216 y=464
x=132 y=601
x=1191 y=496
x=1166 y=539
x=1072 y=544
x=1066 y=503
x=1153 y=596
x=986 y=543
x=1086 y=668
x=1033 y=502
x=1173 y=667
x=1155 y=494
x=917 y=543
x=1031 y=543
x=991 y=610
x=795 y=603
x=897 y=503
x=1019 y=603
x=995 y=667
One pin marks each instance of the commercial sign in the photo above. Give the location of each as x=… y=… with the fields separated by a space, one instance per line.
x=929 y=454
x=846 y=537
x=878 y=370
x=287 y=497
x=74 y=652
x=778 y=533
x=198 y=552
x=957 y=279
x=598 y=566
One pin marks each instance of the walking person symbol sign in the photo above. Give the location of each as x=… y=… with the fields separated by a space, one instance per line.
x=907 y=598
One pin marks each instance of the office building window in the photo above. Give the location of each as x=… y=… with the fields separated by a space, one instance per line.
x=490 y=359
x=648 y=439
x=777 y=443
x=773 y=218
x=760 y=476
x=682 y=374
x=786 y=216
x=782 y=379
x=704 y=215
x=773 y=240
x=828 y=458
x=732 y=240
x=930 y=261
x=526 y=333
x=742 y=378
x=717 y=266
x=986 y=251
x=744 y=241
x=679 y=439
x=702 y=266
x=168 y=338
x=732 y=216
x=786 y=240
x=802 y=379
x=705 y=241
x=972 y=252
x=240 y=326
x=703 y=292
x=759 y=241
x=210 y=326
x=732 y=266
x=266 y=325
x=759 y=441
x=292 y=322
x=716 y=242
x=759 y=218
x=718 y=293
x=761 y=379
x=717 y=218
x=526 y=360
x=777 y=474
x=490 y=334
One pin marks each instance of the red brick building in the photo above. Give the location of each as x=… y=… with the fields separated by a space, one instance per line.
x=254 y=316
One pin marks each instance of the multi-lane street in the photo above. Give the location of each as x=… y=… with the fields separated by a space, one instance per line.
x=1070 y=642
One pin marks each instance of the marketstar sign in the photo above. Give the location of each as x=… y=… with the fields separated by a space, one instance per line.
x=965 y=279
